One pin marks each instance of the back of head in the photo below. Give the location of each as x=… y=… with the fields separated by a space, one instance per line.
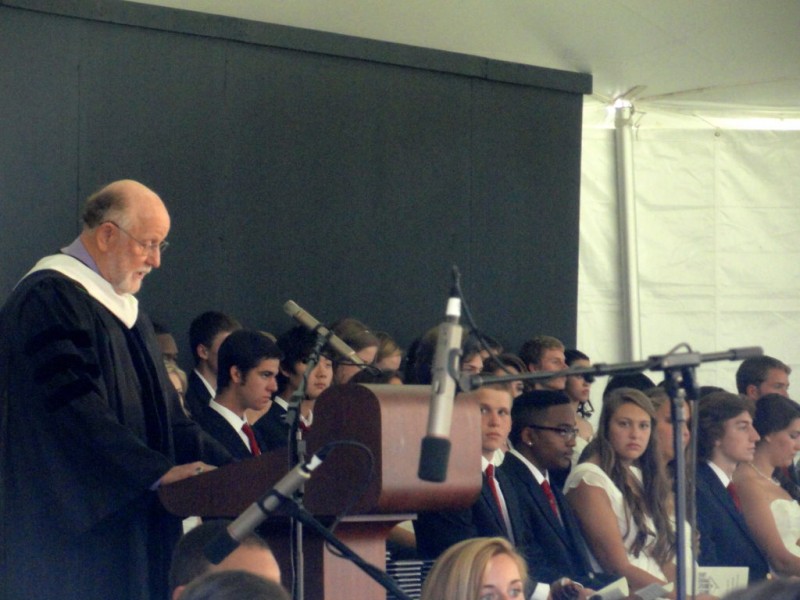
x=233 y=585
x=527 y=408
x=774 y=413
x=244 y=349
x=189 y=560
x=458 y=573
x=754 y=370
x=636 y=381
x=712 y=412
x=354 y=333
x=205 y=327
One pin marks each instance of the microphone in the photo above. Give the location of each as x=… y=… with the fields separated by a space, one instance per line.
x=435 y=450
x=227 y=541
x=298 y=314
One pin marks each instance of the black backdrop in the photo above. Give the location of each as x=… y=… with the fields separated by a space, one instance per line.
x=345 y=174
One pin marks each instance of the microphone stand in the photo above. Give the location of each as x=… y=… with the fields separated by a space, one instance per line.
x=297 y=452
x=298 y=513
x=679 y=375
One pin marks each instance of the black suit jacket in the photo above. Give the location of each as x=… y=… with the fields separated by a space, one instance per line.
x=217 y=427
x=272 y=428
x=725 y=539
x=437 y=531
x=197 y=396
x=551 y=548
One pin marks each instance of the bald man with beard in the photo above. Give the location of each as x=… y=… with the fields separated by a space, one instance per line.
x=90 y=425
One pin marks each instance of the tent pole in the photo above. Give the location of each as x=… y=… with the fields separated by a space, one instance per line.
x=626 y=203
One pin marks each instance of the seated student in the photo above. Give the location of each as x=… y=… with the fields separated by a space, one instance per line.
x=772 y=515
x=620 y=494
x=248 y=365
x=390 y=355
x=234 y=585
x=725 y=439
x=543 y=438
x=206 y=334
x=189 y=561
x=491 y=514
x=296 y=345
x=506 y=364
x=544 y=353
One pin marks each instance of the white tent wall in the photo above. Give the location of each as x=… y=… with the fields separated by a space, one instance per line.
x=718 y=243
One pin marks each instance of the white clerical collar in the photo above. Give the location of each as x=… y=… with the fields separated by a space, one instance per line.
x=123 y=306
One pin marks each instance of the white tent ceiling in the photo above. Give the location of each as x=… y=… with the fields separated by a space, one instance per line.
x=743 y=53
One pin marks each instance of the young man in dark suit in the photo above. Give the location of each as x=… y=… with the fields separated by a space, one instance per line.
x=725 y=438
x=543 y=436
x=248 y=365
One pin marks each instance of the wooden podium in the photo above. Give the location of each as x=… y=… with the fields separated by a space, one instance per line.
x=391 y=421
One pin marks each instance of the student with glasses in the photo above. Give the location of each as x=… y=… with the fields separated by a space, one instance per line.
x=543 y=433
x=620 y=494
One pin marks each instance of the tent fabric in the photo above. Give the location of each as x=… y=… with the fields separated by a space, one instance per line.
x=718 y=232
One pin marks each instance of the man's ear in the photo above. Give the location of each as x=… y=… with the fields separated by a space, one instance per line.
x=102 y=236
x=236 y=374
x=202 y=351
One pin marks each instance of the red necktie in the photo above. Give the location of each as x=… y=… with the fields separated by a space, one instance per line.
x=248 y=431
x=734 y=496
x=493 y=486
x=551 y=499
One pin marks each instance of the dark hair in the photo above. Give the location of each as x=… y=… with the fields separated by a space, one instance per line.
x=652 y=496
x=754 y=371
x=297 y=345
x=774 y=413
x=205 y=327
x=636 y=381
x=712 y=413
x=585 y=409
x=233 y=585
x=423 y=353
x=374 y=375
x=528 y=407
x=106 y=204
x=243 y=349
x=189 y=560
x=531 y=351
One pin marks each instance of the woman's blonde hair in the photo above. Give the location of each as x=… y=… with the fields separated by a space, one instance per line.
x=458 y=573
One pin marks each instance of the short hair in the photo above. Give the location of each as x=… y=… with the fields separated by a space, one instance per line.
x=572 y=354
x=296 y=344
x=500 y=362
x=528 y=406
x=205 y=327
x=234 y=585
x=774 y=413
x=713 y=411
x=532 y=351
x=754 y=370
x=109 y=203
x=189 y=560
x=243 y=349
x=458 y=572
x=636 y=381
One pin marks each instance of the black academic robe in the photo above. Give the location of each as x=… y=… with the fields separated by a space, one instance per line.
x=272 y=428
x=89 y=422
x=436 y=531
x=552 y=548
x=725 y=539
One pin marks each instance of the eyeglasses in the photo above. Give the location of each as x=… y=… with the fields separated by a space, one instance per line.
x=568 y=433
x=148 y=247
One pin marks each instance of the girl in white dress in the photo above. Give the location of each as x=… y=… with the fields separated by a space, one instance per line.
x=772 y=515
x=620 y=494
